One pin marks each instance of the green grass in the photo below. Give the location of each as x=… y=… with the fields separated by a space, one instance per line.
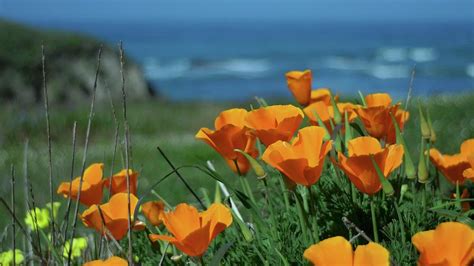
x=172 y=127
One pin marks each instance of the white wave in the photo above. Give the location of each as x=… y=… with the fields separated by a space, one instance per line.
x=470 y=70
x=244 y=66
x=202 y=69
x=157 y=70
x=390 y=71
x=343 y=63
x=423 y=54
x=393 y=54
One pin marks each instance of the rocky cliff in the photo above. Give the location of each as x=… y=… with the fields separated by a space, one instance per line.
x=71 y=62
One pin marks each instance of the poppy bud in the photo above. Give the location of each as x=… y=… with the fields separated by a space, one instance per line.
x=386 y=186
x=422 y=169
x=348 y=132
x=432 y=132
x=257 y=168
x=425 y=129
x=337 y=113
x=362 y=99
x=409 y=165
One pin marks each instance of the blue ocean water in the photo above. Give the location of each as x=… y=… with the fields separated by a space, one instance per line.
x=237 y=61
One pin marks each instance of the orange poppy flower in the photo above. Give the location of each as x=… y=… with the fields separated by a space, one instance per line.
x=114 y=214
x=119 y=182
x=153 y=210
x=326 y=113
x=338 y=251
x=231 y=133
x=322 y=95
x=359 y=166
x=193 y=231
x=276 y=122
x=301 y=161
x=450 y=244
x=376 y=116
x=91 y=191
x=299 y=83
x=112 y=261
x=469 y=172
x=455 y=167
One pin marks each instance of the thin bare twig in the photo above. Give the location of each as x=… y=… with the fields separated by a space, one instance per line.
x=48 y=132
x=127 y=162
x=71 y=176
x=14 y=213
x=116 y=136
x=25 y=174
x=410 y=87
x=86 y=145
x=181 y=177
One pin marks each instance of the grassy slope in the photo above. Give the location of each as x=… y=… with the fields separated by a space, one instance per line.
x=171 y=126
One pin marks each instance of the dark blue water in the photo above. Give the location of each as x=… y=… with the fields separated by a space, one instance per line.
x=237 y=61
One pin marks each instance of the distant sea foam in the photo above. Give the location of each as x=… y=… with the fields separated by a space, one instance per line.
x=199 y=68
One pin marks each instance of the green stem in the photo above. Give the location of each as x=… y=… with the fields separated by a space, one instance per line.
x=312 y=215
x=249 y=190
x=272 y=212
x=301 y=216
x=374 y=220
x=400 y=221
x=285 y=194
x=458 y=196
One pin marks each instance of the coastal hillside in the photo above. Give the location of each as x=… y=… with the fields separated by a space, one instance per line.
x=71 y=62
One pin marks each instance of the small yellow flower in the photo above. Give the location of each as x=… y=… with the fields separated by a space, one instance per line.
x=55 y=209
x=78 y=245
x=37 y=218
x=6 y=258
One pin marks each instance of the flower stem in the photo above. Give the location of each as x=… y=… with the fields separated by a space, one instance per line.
x=302 y=218
x=285 y=194
x=374 y=220
x=400 y=221
x=312 y=215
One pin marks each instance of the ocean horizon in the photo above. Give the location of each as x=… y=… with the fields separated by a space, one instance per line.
x=237 y=61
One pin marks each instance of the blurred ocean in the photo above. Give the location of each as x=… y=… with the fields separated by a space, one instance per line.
x=236 y=61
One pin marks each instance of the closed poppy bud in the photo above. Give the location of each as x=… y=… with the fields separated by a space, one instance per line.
x=119 y=182
x=425 y=128
x=112 y=215
x=112 y=261
x=422 y=167
x=153 y=210
x=193 y=231
x=302 y=160
x=299 y=83
x=358 y=166
x=451 y=243
x=409 y=165
x=432 y=132
x=91 y=190
x=231 y=133
x=273 y=123
x=376 y=117
x=338 y=251
x=257 y=168
x=455 y=167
